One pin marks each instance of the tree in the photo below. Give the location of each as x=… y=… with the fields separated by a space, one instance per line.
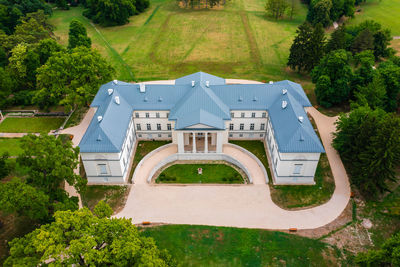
x=110 y=12
x=23 y=199
x=363 y=41
x=368 y=142
x=319 y=12
x=77 y=35
x=6 y=85
x=388 y=255
x=293 y=8
x=46 y=48
x=62 y=4
x=372 y=94
x=364 y=62
x=80 y=238
x=390 y=74
x=72 y=79
x=332 y=78
x=141 y=5
x=338 y=40
x=276 y=8
x=102 y=210
x=50 y=163
x=307 y=48
x=4 y=167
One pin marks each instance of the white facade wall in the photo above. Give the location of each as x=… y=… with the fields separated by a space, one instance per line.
x=260 y=118
x=157 y=119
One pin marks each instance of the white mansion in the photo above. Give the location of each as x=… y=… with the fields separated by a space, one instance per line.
x=200 y=113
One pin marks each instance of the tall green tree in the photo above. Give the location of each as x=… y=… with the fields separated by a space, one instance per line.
x=363 y=41
x=24 y=200
x=307 y=48
x=80 y=238
x=72 y=79
x=387 y=255
x=319 y=11
x=390 y=74
x=332 y=78
x=276 y=8
x=51 y=162
x=110 y=12
x=4 y=166
x=46 y=48
x=372 y=94
x=364 y=64
x=77 y=35
x=368 y=142
x=337 y=40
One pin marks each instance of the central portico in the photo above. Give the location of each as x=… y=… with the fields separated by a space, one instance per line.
x=200 y=141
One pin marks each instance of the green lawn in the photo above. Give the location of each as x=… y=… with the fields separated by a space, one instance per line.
x=113 y=195
x=143 y=148
x=166 y=42
x=188 y=174
x=10 y=145
x=30 y=125
x=385 y=12
x=296 y=196
x=221 y=246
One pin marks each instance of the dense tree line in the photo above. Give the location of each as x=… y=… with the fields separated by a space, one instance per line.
x=327 y=11
x=344 y=68
x=113 y=12
x=81 y=238
x=37 y=70
x=278 y=8
x=201 y=3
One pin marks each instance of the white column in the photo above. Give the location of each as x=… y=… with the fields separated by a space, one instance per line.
x=213 y=139
x=194 y=142
x=206 y=143
x=181 y=146
x=187 y=138
x=219 y=142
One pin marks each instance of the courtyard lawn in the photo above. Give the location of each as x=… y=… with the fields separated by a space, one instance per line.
x=10 y=145
x=222 y=246
x=296 y=196
x=188 y=174
x=143 y=148
x=30 y=125
x=385 y=12
x=113 y=195
x=166 y=42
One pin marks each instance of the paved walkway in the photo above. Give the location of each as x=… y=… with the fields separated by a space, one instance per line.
x=78 y=132
x=247 y=206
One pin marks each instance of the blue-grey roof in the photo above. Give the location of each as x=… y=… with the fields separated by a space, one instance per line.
x=208 y=103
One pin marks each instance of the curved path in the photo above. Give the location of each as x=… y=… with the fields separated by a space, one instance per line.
x=247 y=206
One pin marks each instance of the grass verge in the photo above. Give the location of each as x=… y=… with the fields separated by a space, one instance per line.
x=211 y=174
x=30 y=125
x=223 y=246
x=113 y=195
x=10 y=145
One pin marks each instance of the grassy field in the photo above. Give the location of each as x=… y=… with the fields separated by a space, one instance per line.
x=143 y=148
x=221 y=246
x=113 y=195
x=10 y=145
x=30 y=125
x=166 y=42
x=385 y=12
x=188 y=174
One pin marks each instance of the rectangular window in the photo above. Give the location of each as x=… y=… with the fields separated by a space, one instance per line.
x=252 y=126
x=231 y=126
x=297 y=168
x=241 y=127
x=169 y=135
x=253 y=115
x=138 y=127
x=230 y=135
x=157 y=115
x=169 y=126
x=167 y=114
x=261 y=135
x=158 y=127
x=240 y=135
x=147 y=115
x=102 y=168
x=262 y=126
x=264 y=114
x=137 y=115
x=232 y=114
x=140 y=135
x=148 y=127
x=159 y=135
x=242 y=115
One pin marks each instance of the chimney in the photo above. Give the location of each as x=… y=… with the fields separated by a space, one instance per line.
x=142 y=87
x=115 y=81
x=208 y=83
x=301 y=118
x=284 y=91
x=284 y=104
x=117 y=100
x=271 y=82
x=110 y=91
x=99 y=118
x=193 y=83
